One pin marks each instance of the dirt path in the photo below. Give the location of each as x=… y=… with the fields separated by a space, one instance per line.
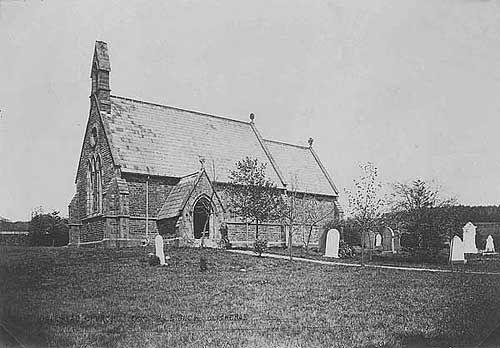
x=333 y=263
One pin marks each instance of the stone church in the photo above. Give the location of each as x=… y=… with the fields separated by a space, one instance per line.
x=146 y=169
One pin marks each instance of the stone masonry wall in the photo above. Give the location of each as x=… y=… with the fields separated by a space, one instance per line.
x=274 y=232
x=158 y=189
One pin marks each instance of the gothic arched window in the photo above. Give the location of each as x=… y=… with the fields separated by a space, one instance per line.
x=90 y=187
x=94 y=186
x=98 y=176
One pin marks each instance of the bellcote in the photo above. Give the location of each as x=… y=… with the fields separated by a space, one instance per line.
x=100 y=76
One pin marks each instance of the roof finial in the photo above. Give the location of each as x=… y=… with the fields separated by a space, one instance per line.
x=202 y=162
x=252 y=117
x=310 y=141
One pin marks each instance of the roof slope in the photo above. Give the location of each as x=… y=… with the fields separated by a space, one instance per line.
x=301 y=169
x=167 y=141
x=177 y=197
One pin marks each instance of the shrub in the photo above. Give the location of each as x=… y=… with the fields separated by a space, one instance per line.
x=429 y=254
x=260 y=246
x=345 y=250
x=203 y=264
x=224 y=244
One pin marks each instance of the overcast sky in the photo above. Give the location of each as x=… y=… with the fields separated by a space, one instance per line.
x=413 y=86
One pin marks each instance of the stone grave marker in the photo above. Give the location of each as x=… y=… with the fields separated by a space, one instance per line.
x=457 y=250
x=369 y=240
x=159 y=249
x=470 y=238
x=332 y=244
x=388 y=240
x=490 y=245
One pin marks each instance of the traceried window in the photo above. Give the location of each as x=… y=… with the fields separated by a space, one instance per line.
x=94 y=186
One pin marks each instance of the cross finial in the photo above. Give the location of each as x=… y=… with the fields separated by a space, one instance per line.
x=310 y=141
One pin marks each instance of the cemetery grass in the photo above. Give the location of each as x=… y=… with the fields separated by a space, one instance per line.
x=63 y=297
x=475 y=263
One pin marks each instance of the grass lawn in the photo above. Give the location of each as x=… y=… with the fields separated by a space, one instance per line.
x=475 y=263
x=112 y=298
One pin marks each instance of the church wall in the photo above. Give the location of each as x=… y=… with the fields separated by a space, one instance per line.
x=92 y=230
x=274 y=232
x=92 y=227
x=101 y=148
x=167 y=227
x=138 y=228
x=158 y=191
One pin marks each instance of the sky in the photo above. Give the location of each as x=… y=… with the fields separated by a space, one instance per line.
x=412 y=86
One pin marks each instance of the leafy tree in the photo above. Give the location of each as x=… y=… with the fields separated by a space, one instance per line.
x=428 y=218
x=252 y=195
x=366 y=203
x=48 y=229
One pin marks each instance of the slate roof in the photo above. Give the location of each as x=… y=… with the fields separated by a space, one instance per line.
x=154 y=139
x=301 y=168
x=167 y=141
x=177 y=197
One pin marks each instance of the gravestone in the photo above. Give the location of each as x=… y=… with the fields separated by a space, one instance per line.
x=369 y=240
x=469 y=238
x=159 y=249
x=490 y=245
x=397 y=241
x=332 y=244
x=389 y=241
x=457 y=250
x=378 y=240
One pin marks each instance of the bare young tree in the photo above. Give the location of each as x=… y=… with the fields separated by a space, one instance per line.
x=366 y=202
x=315 y=212
x=291 y=213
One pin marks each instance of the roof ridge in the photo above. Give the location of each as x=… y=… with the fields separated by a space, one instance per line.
x=285 y=143
x=180 y=109
x=188 y=175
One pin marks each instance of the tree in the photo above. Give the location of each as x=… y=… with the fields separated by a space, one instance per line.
x=48 y=229
x=424 y=214
x=366 y=203
x=290 y=212
x=252 y=195
x=315 y=212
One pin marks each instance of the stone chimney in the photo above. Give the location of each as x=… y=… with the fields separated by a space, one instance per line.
x=100 y=76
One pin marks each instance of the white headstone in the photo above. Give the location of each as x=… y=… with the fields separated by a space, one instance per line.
x=378 y=240
x=457 y=250
x=332 y=243
x=470 y=238
x=159 y=249
x=490 y=245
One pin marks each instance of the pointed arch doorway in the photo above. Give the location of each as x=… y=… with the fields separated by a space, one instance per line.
x=202 y=218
